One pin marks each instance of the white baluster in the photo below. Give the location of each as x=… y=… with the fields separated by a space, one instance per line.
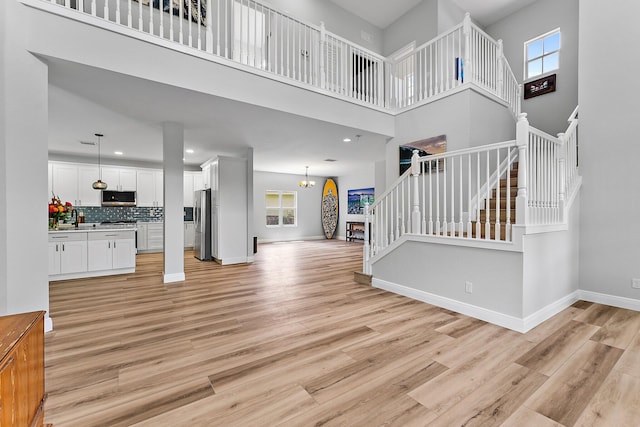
x=365 y=270
x=466 y=62
x=424 y=204
x=129 y=15
x=445 y=222
x=438 y=229
x=498 y=206
x=508 y=197
x=486 y=202
x=500 y=55
x=180 y=25
x=430 y=199
x=460 y=224
x=117 y=11
x=453 y=196
x=487 y=210
x=402 y=227
x=106 y=10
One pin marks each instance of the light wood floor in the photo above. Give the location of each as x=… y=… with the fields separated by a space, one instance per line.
x=292 y=340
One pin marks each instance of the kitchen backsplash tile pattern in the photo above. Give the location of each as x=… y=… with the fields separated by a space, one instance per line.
x=138 y=214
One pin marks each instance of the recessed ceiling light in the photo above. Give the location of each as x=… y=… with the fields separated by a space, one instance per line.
x=346 y=140
x=118 y=153
x=189 y=151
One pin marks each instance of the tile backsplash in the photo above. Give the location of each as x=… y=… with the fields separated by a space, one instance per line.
x=138 y=214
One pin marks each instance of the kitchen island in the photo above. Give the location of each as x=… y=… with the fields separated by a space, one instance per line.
x=92 y=250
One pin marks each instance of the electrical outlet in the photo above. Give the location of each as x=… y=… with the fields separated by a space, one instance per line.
x=468 y=287
x=635 y=283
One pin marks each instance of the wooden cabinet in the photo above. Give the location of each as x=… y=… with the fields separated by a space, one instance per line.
x=67 y=253
x=111 y=250
x=22 y=369
x=119 y=179
x=355 y=231
x=149 y=188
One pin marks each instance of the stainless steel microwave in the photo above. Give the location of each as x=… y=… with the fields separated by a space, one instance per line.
x=118 y=198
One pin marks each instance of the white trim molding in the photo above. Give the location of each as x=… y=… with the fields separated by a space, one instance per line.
x=612 y=300
x=175 y=277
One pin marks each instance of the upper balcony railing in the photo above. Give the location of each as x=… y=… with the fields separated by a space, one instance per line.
x=272 y=43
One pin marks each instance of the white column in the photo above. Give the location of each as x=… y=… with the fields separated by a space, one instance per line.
x=173 y=151
x=522 y=140
x=24 y=284
x=250 y=223
x=415 y=196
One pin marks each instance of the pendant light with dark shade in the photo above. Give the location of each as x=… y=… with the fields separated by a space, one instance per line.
x=99 y=184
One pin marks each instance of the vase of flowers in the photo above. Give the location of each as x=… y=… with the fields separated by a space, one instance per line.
x=58 y=211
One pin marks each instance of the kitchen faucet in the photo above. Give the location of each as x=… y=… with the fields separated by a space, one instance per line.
x=74 y=216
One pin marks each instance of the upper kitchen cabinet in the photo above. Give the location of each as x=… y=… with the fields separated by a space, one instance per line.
x=72 y=183
x=119 y=179
x=192 y=182
x=150 y=191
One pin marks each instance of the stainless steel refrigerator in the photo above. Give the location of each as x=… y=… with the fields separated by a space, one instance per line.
x=202 y=223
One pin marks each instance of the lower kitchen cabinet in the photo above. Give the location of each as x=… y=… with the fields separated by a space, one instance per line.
x=111 y=250
x=189 y=234
x=79 y=254
x=67 y=253
x=155 y=236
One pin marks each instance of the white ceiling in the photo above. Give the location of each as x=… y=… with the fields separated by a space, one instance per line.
x=130 y=112
x=383 y=13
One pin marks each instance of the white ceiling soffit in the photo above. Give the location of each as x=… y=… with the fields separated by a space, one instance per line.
x=380 y=13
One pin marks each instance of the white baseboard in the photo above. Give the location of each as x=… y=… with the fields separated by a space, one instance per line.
x=612 y=300
x=549 y=311
x=505 y=320
x=292 y=239
x=500 y=319
x=174 y=277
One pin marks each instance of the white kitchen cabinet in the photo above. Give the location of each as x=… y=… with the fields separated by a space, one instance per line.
x=65 y=182
x=229 y=209
x=119 y=179
x=192 y=182
x=149 y=188
x=111 y=250
x=67 y=253
x=72 y=183
x=87 y=195
x=50 y=179
x=142 y=236
x=155 y=236
x=189 y=234
x=206 y=176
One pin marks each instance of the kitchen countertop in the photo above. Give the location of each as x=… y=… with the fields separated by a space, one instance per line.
x=84 y=228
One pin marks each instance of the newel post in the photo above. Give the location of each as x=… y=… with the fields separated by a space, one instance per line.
x=209 y=33
x=366 y=268
x=562 y=171
x=522 y=141
x=415 y=211
x=466 y=31
x=322 y=49
x=500 y=55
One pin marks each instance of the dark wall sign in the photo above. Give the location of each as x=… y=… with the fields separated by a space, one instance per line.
x=540 y=86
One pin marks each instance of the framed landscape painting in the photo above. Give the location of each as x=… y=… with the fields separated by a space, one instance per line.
x=357 y=199
x=426 y=147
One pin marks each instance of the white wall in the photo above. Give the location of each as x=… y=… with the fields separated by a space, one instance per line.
x=547 y=112
x=420 y=24
x=496 y=276
x=609 y=149
x=309 y=202
x=336 y=19
x=23 y=169
x=551 y=262
x=361 y=178
x=449 y=15
x=468 y=119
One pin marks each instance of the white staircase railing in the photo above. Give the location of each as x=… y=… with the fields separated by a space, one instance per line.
x=271 y=42
x=471 y=193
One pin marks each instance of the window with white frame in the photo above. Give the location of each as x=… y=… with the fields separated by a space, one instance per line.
x=542 y=54
x=281 y=209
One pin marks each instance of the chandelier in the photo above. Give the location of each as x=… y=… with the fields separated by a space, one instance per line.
x=306 y=183
x=99 y=184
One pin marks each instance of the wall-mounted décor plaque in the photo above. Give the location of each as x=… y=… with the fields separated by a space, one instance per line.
x=540 y=86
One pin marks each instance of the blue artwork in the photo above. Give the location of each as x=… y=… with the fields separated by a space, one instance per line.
x=357 y=199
